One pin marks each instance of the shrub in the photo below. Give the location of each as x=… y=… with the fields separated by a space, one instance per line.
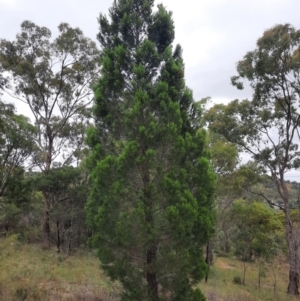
x=237 y=280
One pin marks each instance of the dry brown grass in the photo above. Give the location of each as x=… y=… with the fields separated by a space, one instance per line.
x=29 y=273
x=220 y=286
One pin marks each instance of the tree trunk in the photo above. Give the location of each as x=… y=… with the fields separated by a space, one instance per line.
x=68 y=234
x=208 y=258
x=6 y=227
x=69 y=246
x=293 y=286
x=245 y=269
x=46 y=222
x=46 y=225
x=259 y=276
x=293 y=240
x=227 y=244
x=58 y=236
x=274 y=278
x=151 y=275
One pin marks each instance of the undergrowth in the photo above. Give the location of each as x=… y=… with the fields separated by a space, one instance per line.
x=225 y=282
x=27 y=272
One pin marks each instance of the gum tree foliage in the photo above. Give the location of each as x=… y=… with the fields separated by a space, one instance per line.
x=16 y=144
x=224 y=160
x=15 y=202
x=255 y=234
x=16 y=147
x=53 y=77
x=151 y=201
x=267 y=127
x=66 y=189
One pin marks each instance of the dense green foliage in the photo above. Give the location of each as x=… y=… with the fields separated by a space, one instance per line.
x=16 y=147
x=16 y=144
x=66 y=189
x=255 y=236
x=151 y=203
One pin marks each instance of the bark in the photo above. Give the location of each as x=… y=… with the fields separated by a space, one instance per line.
x=274 y=278
x=46 y=222
x=244 y=272
x=293 y=246
x=46 y=225
x=227 y=245
x=245 y=266
x=68 y=235
x=208 y=258
x=293 y=287
x=151 y=275
x=58 y=236
x=259 y=273
x=69 y=246
x=293 y=240
x=291 y=233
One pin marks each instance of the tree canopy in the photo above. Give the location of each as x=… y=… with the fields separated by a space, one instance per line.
x=54 y=78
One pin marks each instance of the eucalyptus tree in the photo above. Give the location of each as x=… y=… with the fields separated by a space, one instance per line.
x=256 y=233
x=66 y=189
x=267 y=127
x=16 y=147
x=16 y=143
x=54 y=78
x=151 y=202
x=224 y=159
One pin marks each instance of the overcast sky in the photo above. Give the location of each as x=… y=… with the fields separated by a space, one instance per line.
x=214 y=34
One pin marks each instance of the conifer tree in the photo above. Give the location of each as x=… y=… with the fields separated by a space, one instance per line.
x=151 y=203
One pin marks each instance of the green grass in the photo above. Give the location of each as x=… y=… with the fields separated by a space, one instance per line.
x=27 y=272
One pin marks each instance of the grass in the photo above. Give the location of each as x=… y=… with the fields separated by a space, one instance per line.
x=29 y=273
x=221 y=285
